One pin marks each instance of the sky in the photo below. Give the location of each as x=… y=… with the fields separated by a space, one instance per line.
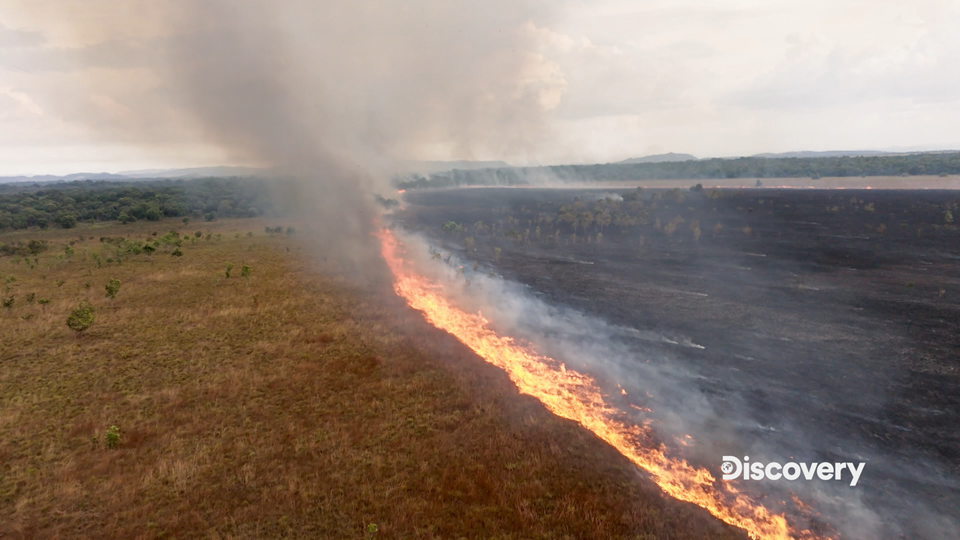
x=85 y=86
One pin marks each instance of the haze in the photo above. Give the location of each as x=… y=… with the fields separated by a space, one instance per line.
x=87 y=86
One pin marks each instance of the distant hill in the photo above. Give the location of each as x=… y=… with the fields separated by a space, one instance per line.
x=66 y=178
x=408 y=167
x=669 y=157
x=195 y=172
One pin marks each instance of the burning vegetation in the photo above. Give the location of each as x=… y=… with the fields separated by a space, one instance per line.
x=577 y=397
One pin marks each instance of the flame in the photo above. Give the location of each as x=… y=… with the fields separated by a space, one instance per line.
x=575 y=396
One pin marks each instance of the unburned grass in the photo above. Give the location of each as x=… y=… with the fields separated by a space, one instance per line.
x=290 y=403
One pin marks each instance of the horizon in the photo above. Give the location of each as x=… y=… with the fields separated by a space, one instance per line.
x=168 y=169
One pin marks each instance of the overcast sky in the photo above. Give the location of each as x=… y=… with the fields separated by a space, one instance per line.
x=615 y=79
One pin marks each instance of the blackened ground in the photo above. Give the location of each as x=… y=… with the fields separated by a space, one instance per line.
x=829 y=320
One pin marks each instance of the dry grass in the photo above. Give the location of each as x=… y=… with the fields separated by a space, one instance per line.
x=290 y=404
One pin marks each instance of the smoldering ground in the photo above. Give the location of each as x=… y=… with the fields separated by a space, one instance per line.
x=734 y=349
x=328 y=94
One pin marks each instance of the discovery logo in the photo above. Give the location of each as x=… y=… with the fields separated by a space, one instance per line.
x=733 y=469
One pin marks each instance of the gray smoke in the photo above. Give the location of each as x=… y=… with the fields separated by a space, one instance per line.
x=645 y=364
x=330 y=93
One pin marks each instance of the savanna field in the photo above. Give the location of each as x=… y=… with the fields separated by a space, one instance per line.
x=283 y=400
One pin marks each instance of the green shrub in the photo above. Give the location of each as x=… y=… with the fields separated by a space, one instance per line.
x=112 y=438
x=81 y=317
x=112 y=288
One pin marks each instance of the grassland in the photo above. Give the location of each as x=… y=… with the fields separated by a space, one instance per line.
x=288 y=403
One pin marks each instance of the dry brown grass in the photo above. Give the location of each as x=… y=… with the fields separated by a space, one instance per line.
x=290 y=404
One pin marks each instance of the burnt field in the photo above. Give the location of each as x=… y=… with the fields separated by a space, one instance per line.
x=818 y=324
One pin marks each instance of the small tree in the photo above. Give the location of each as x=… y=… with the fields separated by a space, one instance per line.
x=112 y=437
x=229 y=269
x=81 y=318
x=245 y=271
x=67 y=221
x=496 y=254
x=670 y=228
x=451 y=227
x=112 y=288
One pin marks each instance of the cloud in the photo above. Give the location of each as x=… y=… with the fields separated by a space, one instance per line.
x=12 y=38
x=573 y=80
x=17 y=105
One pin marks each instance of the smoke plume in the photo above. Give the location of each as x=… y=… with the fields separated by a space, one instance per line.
x=330 y=94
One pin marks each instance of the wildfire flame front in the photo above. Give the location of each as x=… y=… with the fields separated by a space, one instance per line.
x=577 y=397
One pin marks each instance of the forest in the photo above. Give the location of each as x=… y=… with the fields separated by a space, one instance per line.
x=942 y=164
x=66 y=204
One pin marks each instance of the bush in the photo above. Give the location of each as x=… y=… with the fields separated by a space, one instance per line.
x=81 y=317
x=451 y=227
x=245 y=271
x=112 y=437
x=112 y=288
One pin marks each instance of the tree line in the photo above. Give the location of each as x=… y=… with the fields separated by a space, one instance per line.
x=66 y=204
x=942 y=164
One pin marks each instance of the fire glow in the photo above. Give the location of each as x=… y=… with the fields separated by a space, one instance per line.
x=575 y=396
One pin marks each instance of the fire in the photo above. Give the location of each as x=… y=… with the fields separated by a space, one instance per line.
x=577 y=397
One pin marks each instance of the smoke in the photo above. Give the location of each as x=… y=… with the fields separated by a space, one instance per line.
x=676 y=400
x=328 y=94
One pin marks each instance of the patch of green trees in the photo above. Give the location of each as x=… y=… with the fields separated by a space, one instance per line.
x=69 y=203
